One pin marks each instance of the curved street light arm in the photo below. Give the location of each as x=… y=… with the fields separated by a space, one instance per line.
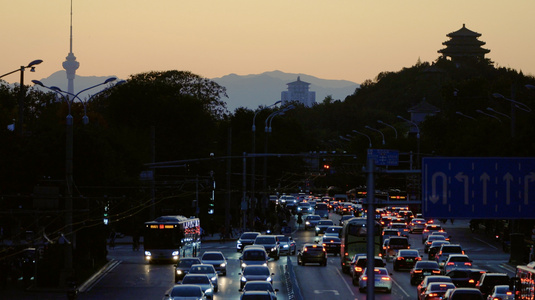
x=519 y=105
x=414 y=124
x=500 y=113
x=369 y=139
x=489 y=115
x=461 y=114
x=377 y=130
x=395 y=131
x=261 y=109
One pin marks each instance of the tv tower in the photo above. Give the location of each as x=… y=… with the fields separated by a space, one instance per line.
x=71 y=65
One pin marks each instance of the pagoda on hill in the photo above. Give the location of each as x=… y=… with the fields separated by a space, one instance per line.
x=464 y=44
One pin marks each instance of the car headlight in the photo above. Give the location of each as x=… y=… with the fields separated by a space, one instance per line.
x=307 y=222
x=238 y=242
x=274 y=249
x=317 y=229
x=243 y=265
x=179 y=272
x=175 y=253
x=222 y=265
x=213 y=279
x=208 y=291
x=243 y=279
x=285 y=246
x=264 y=264
x=147 y=253
x=269 y=279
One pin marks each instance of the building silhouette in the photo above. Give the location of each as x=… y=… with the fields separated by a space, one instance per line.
x=463 y=44
x=298 y=91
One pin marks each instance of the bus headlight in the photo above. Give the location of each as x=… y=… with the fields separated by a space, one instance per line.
x=175 y=253
x=147 y=253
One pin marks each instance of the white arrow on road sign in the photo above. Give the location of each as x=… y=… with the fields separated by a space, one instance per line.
x=508 y=178
x=527 y=179
x=485 y=178
x=460 y=177
x=434 y=198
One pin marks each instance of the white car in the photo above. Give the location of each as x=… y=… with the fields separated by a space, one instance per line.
x=382 y=280
x=457 y=261
x=201 y=280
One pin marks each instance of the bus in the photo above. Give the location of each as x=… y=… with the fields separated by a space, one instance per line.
x=169 y=237
x=525 y=282
x=354 y=237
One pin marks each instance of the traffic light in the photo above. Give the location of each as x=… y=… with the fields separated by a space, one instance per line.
x=106 y=218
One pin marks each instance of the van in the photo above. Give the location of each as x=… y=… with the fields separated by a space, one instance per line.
x=322 y=210
x=396 y=243
x=253 y=255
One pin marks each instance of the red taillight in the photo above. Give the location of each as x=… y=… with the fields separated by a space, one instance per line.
x=471 y=281
x=385 y=278
x=433 y=295
x=365 y=278
x=436 y=272
x=324 y=244
x=450 y=264
x=358 y=269
x=467 y=263
x=400 y=258
x=417 y=271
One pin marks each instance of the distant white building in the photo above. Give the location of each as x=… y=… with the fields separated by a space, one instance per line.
x=298 y=92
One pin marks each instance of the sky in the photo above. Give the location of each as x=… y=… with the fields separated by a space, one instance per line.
x=339 y=39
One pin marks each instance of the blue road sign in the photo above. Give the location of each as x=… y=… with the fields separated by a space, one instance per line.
x=478 y=188
x=384 y=157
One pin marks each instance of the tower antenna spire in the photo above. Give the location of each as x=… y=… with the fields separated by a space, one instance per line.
x=70 y=64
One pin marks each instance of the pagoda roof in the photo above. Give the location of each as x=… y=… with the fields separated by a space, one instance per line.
x=298 y=81
x=464 y=32
x=424 y=107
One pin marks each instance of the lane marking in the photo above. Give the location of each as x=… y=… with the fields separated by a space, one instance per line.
x=485 y=243
x=344 y=281
x=91 y=282
x=399 y=286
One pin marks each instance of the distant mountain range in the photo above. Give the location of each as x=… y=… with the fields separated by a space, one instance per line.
x=249 y=91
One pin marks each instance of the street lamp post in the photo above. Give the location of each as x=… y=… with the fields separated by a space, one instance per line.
x=22 y=93
x=377 y=130
x=267 y=131
x=417 y=137
x=466 y=116
x=253 y=165
x=395 y=131
x=68 y=266
x=369 y=139
x=514 y=104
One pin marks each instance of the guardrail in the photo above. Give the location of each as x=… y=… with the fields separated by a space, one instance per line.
x=294 y=293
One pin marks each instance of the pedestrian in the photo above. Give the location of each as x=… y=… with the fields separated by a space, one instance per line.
x=135 y=241
x=299 y=220
x=113 y=235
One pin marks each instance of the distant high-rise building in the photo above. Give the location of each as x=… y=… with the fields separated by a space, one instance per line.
x=71 y=65
x=298 y=92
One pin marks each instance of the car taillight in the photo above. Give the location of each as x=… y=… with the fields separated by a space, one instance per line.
x=418 y=258
x=450 y=264
x=436 y=272
x=467 y=264
x=433 y=295
x=400 y=258
x=471 y=281
x=385 y=278
x=417 y=271
x=358 y=269
x=365 y=278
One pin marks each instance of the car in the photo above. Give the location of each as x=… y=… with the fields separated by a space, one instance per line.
x=183 y=266
x=429 y=229
x=406 y=259
x=345 y=209
x=501 y=292
x=434 y=248
x=387 y=233
x=322 y=210
x=344 y=218
x=457 y=261
x=209 y=270
x=322 y=226
x=443 y=233
x=333 y=231
x=287 y=245
x=445 y=251
x=401 y=227
x=385 y=221
x=217 y=259
x=254 y=255
x=430 y=279
x=312 y=253
x=247 y=238
x=270 y=244
x=465 y=277
x=422 y=269
x=489 y=280
x=260 y=286
x=255 y=273
x=257 y=295
x=186 y=291
x=395 y=244
x=382 y=280
x=331 y=244
x=417 y=225
x=435 y=290
x=304 y=208
x=311 y=221
x=431 y=239
x=463 y=294
x=201 y=280
x=359 y=263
